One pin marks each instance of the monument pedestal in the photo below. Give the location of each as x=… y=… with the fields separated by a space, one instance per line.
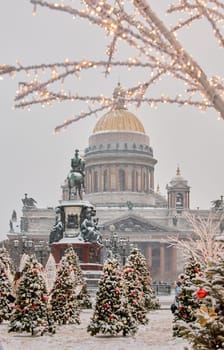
x=90 y=259
x=89 y=253
x=66 y=232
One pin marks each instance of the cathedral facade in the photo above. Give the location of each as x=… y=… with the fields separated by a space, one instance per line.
x=119 y=182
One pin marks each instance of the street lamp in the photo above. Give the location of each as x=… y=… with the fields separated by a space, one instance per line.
x=23 y=244
x=125 y=248
x=39 y=249
x=112 y=244
x=120 y=247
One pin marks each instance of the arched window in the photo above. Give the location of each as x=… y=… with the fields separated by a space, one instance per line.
x=121 y=180
x=105 y=181
x=95 y=179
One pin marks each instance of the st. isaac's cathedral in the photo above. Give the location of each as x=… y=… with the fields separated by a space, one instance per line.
x=119 y=182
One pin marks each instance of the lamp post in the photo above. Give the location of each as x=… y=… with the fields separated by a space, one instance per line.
x=39 y=249
x=24 y=245
x=120 y=247
x=112 y=245
x=125 y=248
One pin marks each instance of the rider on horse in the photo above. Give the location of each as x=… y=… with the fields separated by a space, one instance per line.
x=78 y=164
x=77 y=174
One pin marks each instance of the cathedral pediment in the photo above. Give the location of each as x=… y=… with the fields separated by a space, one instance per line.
x=134 y=224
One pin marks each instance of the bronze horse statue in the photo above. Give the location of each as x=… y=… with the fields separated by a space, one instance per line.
x=76 y=180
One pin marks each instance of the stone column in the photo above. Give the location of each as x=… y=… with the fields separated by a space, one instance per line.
x=148 y=257
x=87 y=182
x=174 y=261
x=100 y=179
x=162 y=261
x=126 y=172
x=152 y=179
x=109 y=178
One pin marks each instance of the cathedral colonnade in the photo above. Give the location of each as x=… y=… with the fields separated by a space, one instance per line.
x=119 y=177
x=161 y=260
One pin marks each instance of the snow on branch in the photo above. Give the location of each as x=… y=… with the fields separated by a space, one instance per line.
x=211 y=10
x=203 y=243
x=154 y=48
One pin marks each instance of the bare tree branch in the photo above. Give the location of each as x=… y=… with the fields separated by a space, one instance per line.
x=203 y=244
x=154 y=49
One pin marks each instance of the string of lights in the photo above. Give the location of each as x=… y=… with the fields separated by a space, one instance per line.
x=211 y=10
x=155 y=47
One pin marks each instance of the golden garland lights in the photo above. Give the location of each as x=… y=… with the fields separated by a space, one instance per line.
x=156 y=50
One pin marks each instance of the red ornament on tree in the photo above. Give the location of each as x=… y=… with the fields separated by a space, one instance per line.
x=128 y=270
x=44 y=297
x=201 y=293
x=134 y=293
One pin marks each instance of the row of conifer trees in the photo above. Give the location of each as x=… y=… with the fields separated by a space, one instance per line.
x=36 y=304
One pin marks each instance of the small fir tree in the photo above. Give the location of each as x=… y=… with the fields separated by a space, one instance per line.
x=207 y=332
x=187 y=302
x=63 y=300
x=140 y=263
x=6 y=302
x=7 y=262
x=112 y=312
x=50 y=271
x=135 y=294
x=30 y=313
x=83 y=296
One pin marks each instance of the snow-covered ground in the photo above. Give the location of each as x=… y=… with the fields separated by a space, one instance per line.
x=157 y=335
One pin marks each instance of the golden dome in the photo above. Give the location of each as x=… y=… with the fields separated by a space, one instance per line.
x=119 y=120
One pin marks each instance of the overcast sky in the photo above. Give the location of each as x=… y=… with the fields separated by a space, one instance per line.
x=35 y=161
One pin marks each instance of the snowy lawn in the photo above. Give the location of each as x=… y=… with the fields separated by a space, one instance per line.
x=157 y=335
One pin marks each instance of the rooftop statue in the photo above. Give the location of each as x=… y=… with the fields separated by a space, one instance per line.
x=76 y=176
x=28 y=202
x=218 y=204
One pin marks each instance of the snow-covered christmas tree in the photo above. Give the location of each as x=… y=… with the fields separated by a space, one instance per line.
x=112 y=313
x=140 y=263
x=187 y=302
x=83 y=296
x=63 y=299
x=7 y=262
x=30 y=313
x=207 y=332
x=5 y=293
x=135 y=293
x=50 y=272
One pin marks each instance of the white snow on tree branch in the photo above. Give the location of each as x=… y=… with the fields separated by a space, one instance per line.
x=203 y=243
x=152 y=46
